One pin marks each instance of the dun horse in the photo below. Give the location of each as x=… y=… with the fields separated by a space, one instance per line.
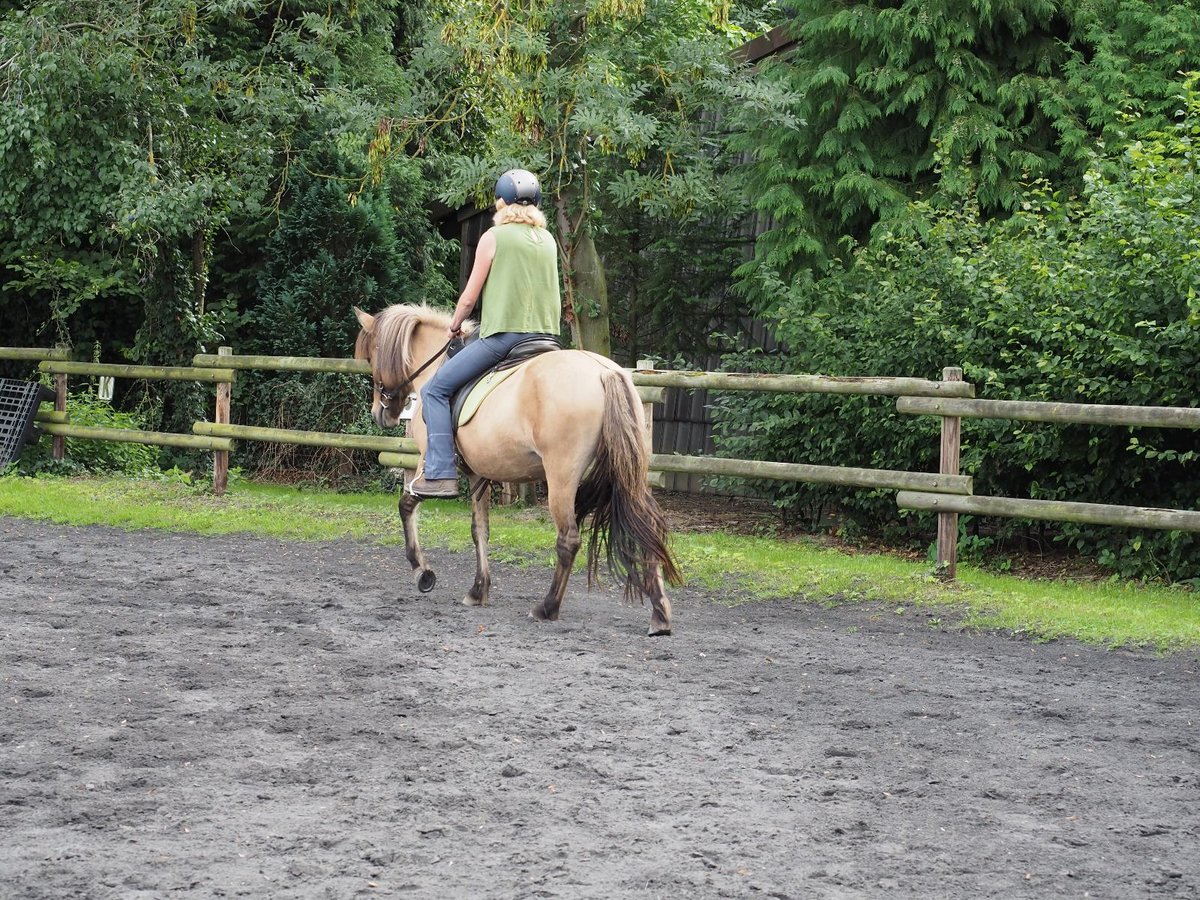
x=569 y=418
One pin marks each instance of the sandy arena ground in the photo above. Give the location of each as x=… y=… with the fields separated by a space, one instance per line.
x=195 y=717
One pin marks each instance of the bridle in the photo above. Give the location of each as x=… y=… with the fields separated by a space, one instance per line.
x=386 y=397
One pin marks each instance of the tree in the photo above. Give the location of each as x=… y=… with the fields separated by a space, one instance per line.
x=128 y=144
x=605 y=99
x=137 y=137
x=903 y=100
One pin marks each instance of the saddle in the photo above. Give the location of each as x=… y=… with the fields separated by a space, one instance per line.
x=466 y=402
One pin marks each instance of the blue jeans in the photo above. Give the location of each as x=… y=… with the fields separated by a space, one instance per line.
x=471 y=361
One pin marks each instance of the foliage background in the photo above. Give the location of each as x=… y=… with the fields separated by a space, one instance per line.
x=1006 y=185
x=903 y=100
x=1089 y=299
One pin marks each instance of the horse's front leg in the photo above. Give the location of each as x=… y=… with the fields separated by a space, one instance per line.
x=481 y=498
x=424 y=575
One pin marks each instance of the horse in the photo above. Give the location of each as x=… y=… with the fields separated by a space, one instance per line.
x=569 y=418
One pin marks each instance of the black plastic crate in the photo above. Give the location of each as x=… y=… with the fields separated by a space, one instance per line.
x=19 y=402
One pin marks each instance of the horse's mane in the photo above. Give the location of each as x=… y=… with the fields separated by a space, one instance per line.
x=389 y=342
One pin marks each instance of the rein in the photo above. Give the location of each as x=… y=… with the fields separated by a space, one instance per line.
x=388 y=396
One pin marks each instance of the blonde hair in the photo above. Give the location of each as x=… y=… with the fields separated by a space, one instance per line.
x=522 y=213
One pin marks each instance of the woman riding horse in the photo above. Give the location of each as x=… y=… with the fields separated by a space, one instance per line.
x=516 y=270
x=571 y=419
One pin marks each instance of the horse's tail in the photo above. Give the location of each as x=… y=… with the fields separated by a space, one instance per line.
x=627 y=524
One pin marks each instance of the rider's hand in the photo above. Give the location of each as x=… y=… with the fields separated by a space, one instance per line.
x=453 y=332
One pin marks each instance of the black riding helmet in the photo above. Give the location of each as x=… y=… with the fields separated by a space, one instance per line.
x=519 y=186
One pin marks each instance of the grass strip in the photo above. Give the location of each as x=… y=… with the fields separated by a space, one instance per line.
x=733 y=568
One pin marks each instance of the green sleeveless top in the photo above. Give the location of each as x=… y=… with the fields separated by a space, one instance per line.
x=521 y=291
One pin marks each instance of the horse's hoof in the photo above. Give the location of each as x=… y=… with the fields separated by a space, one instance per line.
x=659 y=631
x=426 y=579
x=474 y=601
x=539 y=613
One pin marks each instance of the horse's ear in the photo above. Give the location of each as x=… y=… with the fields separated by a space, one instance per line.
x=366 y=320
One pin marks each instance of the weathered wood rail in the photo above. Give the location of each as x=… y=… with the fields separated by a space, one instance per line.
x=848 y=476
x=953 y=411
x=803 y=384
x=1059 y=413
x=165 y=373
x=1054 y=510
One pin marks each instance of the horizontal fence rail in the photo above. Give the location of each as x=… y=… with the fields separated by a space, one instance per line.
x=134 y=436
x=848 y=476
x=334 y=439
x=285 y=363
x=1054 y=511
x=33 y=354
x=408 y=461
x=804 y=384
x=165 y=373
x=1060 y=413
x=318 y=364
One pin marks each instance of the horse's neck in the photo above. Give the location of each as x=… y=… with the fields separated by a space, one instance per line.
x=425 y=347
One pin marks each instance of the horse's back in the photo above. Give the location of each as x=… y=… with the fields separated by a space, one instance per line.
x=554 y=383
x=552 y=408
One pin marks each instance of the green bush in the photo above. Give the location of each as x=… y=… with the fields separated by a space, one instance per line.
x=326 y=256
x=91 y=457
x=1091 y=300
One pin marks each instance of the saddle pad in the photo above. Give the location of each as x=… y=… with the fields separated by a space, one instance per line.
x=478 y=392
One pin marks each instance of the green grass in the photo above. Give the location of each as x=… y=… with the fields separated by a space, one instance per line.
x=733 y=568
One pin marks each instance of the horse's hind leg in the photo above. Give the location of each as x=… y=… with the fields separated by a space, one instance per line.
x=481 y=498
x=424 y=575
x=660 y=618
x=561 y=501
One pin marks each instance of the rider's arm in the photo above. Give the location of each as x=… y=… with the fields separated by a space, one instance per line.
x=484 y=254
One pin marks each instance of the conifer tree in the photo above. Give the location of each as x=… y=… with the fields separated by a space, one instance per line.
x=928 y=98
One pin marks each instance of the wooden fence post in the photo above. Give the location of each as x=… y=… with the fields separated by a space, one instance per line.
x=648 y=408
x=60 y=405
x=221 y=417
x=947 y=531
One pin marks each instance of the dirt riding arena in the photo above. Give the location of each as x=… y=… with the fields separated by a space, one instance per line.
x=191 y=717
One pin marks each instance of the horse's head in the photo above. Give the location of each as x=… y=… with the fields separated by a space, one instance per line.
x=391 y=341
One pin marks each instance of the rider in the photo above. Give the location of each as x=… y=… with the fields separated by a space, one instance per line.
x=516 y=268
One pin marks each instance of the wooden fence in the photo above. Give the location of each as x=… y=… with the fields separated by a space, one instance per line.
x=953 y=411
x=946 y=492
